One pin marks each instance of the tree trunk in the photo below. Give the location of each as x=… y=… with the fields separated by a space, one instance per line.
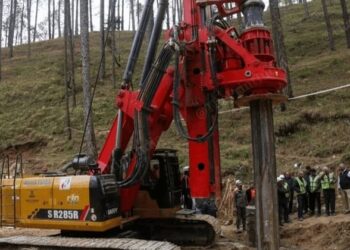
x=173 y=9
x=150 y=25
x=36 y=20
x=138 y=12
x=67 y=27
x=112 y=8
x=278 y=39
x=29 y=11
x=59 y=18
x=331 y=43
x=132 y=14
x=167 y=18
x=122 y=24
x=72 y=15
x=49 y=18
x=53 y=19
x=88 y=114
x=306 y=9
x=102 y=40
x=346 y=22
x=1 y=11
x=77 y=17
x=91 y=24
x=22 y=24
x=13 y=13
x=240 y=23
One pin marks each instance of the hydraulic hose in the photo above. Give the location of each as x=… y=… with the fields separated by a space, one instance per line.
x=156 y=32
x=141 y=130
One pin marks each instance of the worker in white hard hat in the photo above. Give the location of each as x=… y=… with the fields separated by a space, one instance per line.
x=283 y=196
x=240 y=202
x=186 y=193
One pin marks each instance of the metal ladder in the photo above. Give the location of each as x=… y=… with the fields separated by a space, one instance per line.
x=6 y=174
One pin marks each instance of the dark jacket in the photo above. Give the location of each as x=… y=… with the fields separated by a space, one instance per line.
x=240 y=198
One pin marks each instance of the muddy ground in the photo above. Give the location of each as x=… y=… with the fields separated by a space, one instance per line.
x=323 y=232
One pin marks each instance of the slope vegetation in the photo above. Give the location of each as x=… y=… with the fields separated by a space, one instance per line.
x=313 y=130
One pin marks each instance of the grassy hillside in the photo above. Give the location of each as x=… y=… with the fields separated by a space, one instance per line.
x=313 y=130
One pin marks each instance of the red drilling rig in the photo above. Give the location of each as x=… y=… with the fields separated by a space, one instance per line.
x=212 y=61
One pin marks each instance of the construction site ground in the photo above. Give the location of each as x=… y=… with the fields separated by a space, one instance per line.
x=324 y=232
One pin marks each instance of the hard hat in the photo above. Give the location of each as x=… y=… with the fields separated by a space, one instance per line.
x=186 y=168
x=238 y=182
x=325 y=169
x=281 y=177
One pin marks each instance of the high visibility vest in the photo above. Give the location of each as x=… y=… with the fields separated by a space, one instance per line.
x=313 y=183
x=302 y=185
x=332 y=180
x=325 y=182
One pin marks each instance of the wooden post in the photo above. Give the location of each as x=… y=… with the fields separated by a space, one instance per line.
x=264 y=161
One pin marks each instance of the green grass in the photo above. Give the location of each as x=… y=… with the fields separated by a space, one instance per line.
x=32 y=100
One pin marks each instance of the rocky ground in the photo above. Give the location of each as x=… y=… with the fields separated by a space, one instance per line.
x=323 y=232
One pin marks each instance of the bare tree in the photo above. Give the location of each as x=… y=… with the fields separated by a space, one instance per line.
x=1 y=11
x=138 y=9
x=67 y=27
x=91 y=24
x=113 y=47
x=306 y=9
x=53 y=19
x=77 y=17
x=102 y=40
x=49 y=17
x=167 y=17
x=122 y=21
x=29 y=11
x=36 y=19
x=12 y=25
x=346 y=22
x=72 y=15
x=22 y=23
x=331 y=43
x=278 y=39
x=59 y=18
x=150 y=24
x=132 y=14
x=88 y=113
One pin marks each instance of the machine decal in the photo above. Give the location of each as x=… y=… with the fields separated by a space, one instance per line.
x=65 y=183
x=85 y=212
x=112 y=211
x=73 y=199
x=31 y=197
x=37 y=182
x=56 y=214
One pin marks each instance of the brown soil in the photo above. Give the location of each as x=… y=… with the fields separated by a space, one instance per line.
x=313 y=233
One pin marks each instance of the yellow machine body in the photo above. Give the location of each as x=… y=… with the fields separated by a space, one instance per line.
x=78 y=203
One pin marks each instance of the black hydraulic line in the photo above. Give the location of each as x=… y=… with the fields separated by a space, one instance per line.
x=141 y=129
x=156 y=32
x=137 y=42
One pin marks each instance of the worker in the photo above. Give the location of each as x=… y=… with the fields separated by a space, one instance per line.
x=315 y=192
x=307 y=189
x=282 y=201
x=240 y=201
x=251 y=194
x=328 y=188
x=300 y=189
x=187 y=200
x=290 y=181
x=344 y=186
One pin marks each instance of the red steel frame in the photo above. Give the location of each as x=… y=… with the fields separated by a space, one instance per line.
x=246 y=66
